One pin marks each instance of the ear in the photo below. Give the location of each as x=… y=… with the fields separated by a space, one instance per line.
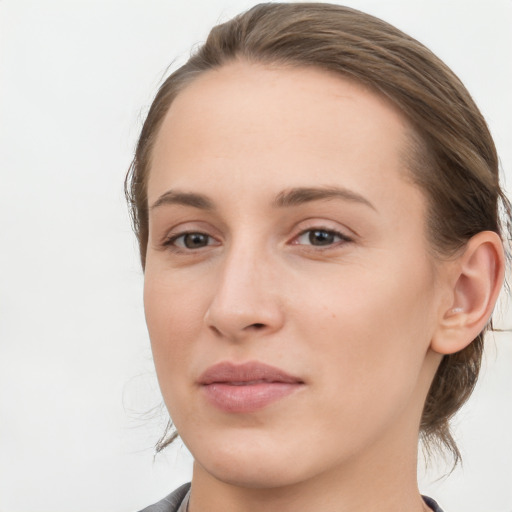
x=475 y=282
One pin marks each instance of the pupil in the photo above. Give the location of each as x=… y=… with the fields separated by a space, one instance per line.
x=195 y=240
x=321 y=238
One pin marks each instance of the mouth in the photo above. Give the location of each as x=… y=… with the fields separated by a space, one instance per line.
x=246 y=387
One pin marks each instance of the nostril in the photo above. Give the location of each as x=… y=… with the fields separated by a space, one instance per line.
x=257 y=326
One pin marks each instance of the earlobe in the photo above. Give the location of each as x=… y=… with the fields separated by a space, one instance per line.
x=477 y=278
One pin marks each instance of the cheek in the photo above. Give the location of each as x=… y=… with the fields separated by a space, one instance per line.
x=370 y=332
x=174 y=319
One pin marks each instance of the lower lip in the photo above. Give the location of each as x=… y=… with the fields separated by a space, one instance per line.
x=247 y=398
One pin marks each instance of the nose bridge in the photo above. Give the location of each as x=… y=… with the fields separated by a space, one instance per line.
x=245 y=299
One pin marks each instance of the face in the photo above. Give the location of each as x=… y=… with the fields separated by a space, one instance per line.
x=289 y=292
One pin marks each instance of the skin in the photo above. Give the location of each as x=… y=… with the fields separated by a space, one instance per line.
x=354 y=318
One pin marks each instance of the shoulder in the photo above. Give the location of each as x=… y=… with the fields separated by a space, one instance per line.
x=170 y=503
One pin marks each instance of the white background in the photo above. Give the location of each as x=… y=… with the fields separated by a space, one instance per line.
x=79 y=404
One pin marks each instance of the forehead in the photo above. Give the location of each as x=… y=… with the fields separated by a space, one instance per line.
x=261 y=126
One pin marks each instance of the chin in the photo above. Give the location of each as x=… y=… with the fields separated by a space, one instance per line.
x=257 y=476
x=251 y=464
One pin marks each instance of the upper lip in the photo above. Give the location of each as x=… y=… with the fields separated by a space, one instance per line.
x=252 y=371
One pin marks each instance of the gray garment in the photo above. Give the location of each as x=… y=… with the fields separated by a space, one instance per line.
x=430 y=503
x=177 y=501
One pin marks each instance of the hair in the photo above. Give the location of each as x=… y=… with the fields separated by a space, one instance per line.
x=452 y=159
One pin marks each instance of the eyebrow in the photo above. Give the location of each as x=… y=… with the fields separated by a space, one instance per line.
x=185 y=199
x=301 y=195
x=285 y=199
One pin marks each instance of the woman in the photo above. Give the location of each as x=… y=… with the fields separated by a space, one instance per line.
x=316 y=201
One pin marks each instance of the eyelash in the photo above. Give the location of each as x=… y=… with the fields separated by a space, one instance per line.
x=342 y=239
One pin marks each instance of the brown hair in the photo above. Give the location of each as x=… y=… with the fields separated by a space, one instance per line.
x=453 y=158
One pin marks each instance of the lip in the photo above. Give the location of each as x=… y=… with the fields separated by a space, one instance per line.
x=246 y=387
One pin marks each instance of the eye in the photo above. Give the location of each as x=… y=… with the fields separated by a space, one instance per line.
x=192 y=240
x=320 y=237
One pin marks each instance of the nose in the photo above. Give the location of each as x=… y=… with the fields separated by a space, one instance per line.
x=246 y=300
